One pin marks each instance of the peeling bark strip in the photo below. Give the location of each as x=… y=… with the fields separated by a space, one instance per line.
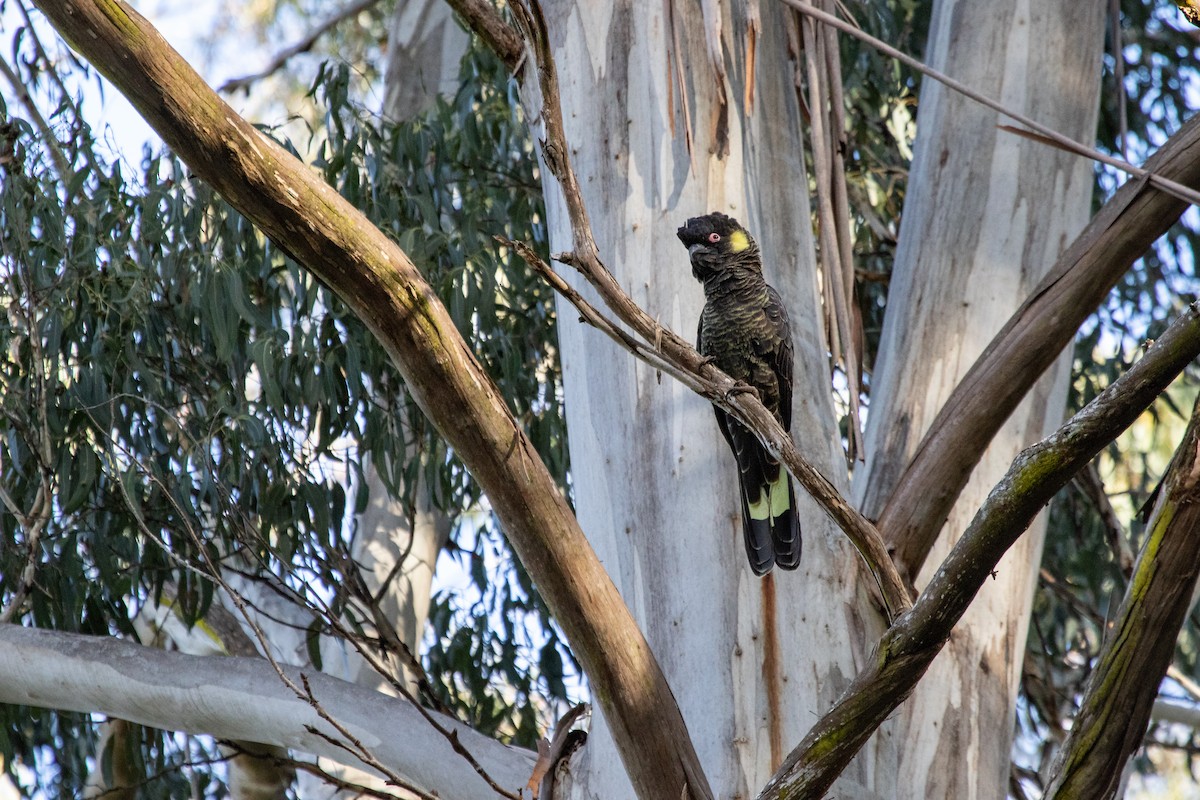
x=909 y=646
x=1121 y=691
x=1044 y=324
x=307 y=218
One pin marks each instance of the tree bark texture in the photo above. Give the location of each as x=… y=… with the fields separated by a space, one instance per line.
x=909 y=646
x=323 y=232
x=986 y=214
x=659 y=131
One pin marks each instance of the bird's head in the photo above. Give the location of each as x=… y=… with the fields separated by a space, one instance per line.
x=718 y=243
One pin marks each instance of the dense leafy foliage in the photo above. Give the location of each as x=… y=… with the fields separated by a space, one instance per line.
x=180 y=400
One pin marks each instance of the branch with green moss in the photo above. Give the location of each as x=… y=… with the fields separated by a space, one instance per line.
x=1140 y=643
x=910 y=645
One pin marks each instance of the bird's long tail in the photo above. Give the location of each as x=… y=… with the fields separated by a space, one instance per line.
x=770 y=524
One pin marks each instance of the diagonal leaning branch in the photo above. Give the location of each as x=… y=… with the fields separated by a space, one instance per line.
x=299 y=212
x=910 y=645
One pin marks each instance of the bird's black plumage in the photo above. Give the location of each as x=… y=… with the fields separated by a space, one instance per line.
x=744 y=329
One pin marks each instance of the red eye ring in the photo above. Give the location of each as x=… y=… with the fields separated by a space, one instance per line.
x=714 y=237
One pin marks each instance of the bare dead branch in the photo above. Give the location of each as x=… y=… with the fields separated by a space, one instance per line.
x=837 y=260
x=302 y=46
x=910 y=645
x=1140 y=643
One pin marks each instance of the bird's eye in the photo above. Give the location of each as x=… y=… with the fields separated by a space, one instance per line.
x=714 y=237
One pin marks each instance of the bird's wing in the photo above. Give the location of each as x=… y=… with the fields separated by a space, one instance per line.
x=782 y=359
x=786 y=528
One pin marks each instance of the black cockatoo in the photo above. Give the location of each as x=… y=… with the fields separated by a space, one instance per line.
x=744 y=329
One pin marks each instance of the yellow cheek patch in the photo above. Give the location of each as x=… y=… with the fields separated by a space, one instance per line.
x=738 y=241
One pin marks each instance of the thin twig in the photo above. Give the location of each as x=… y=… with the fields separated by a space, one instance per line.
x=303 y=46
x=836 y=258
x=1118 y=52
x=213 y=573
x=61 y=164
x=1092 y=487
x=1065 y=142
x=359 y=790
x=40 y=51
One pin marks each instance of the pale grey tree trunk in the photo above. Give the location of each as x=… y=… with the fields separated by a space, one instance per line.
x=398 y=553
x=986 y=214
x=425 y=46
x=655 y=485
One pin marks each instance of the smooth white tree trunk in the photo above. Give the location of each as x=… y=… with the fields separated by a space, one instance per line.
x=985 y=216
x=243 y=699
x=655 y=485
x=425 y=46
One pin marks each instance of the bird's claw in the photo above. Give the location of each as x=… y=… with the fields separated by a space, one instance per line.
x=741 y=387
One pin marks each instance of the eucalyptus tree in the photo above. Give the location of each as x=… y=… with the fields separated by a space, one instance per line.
x=710 y=682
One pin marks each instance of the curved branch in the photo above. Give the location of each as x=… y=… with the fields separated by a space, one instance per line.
x=239 y=698
x=307 y=218
x=302 y=46
x=909 y=646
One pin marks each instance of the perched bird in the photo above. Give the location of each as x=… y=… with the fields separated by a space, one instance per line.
x=744 y=330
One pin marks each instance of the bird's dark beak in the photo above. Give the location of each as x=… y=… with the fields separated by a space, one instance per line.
x=689 y=236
